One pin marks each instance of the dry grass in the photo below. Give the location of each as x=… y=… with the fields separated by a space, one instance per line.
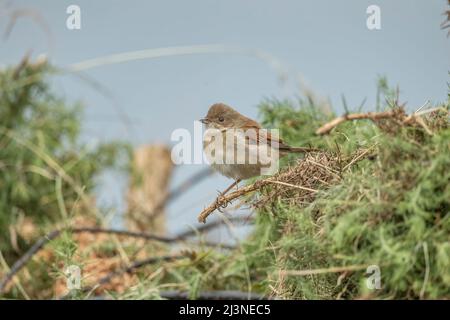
x=297 y=183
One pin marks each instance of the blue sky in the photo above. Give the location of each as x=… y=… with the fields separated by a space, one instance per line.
x=326 y=42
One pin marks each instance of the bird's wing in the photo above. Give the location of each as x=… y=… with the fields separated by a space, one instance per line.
x=260 y=135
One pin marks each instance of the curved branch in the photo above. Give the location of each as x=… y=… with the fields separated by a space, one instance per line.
x=212 y=225
x=397 y=114
x=180 y=189
x=327 y=127
x=41 y=242
x=223 y=201
x=138 y=264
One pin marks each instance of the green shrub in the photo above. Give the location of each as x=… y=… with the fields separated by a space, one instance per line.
x=44 y=168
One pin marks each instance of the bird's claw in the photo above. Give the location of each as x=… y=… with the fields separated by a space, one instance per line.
x=221 y=203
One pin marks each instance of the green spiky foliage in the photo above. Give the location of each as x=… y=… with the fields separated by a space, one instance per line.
x=391 y=210
x=44 y=168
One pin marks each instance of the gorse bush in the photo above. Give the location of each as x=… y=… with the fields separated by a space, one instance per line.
x=44 y=168
x=381 y=198
x=389 y=210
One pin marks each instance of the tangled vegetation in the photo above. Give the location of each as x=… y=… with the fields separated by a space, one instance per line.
x=385 y=202
x=47 y=174
x=379 y=194
x=389 y=209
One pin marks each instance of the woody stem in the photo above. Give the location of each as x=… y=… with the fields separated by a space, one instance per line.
x=230 y=187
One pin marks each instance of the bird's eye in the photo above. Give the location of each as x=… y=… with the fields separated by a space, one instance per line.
x=221 y=119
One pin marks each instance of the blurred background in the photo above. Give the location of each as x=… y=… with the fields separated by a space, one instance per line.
x=278 y=49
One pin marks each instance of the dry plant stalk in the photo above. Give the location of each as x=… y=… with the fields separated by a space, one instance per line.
x=152 y=167
x=300 y=183
x=446 y=23
x=309 y=272
x=222 y=201
x=98 y=267
x=397 y=114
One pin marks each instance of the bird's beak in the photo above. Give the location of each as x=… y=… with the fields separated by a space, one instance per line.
x=204 y=121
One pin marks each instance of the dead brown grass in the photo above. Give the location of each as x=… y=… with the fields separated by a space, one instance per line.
x=298 y=183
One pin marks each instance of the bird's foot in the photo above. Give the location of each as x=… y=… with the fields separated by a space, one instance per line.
x=221 y=201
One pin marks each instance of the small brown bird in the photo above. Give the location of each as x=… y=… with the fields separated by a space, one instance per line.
x=240 y=158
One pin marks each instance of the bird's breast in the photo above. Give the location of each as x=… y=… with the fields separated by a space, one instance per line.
x=231 y=153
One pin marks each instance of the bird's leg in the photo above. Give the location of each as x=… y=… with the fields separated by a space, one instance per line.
x=223 y=193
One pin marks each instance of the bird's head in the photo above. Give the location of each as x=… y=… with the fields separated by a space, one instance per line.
x=220 y=116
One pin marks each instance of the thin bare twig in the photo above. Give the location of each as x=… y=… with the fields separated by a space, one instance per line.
x=19 y=264
x=179 y=190
x=334 y=172
x=212 y=225
x=134 y=266
x=130 y=269
x=34 y=15
x=397 y=114
x=282 y=71
x=300 y=177
x=327 y=127
x=322 y=270
x=294 y=186
x=222 y=201
x=41 y=242
x=446 y=23
x=359 y=157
